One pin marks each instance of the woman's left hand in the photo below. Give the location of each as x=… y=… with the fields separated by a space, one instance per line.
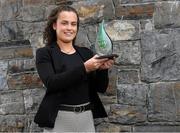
x=107 y=64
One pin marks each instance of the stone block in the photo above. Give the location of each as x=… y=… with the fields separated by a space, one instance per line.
x=3 y=83
x=82 y=39
x=36 y=40
x=116 y=2
x=162 y=105
x=17 y=66
x=30 y=126
x=126 y=76
x=98 y=121
x=3 y=72
x=15 y=49
x=48 y=10
x=94 y=10
x=11 y=102
x=106 y=99
x=111 y=90
x=14 y=44
x=1 y=34
x=167 y=14
x=3 y=67
x=160 y=56
x=132 y=94
x=108 y=127
x=11 y=108
x=91 y=33
x=157 y=128
x=38 y=2
x=177 y=100
x=147 y=25
x=33 y=13
x=65 y=2
x=24 y=81
x=20 y=52
x=12 y=123
x=134 y=11
x=23 y=52
x=32 y=99
x=11 y=30
x=125 y=114
x=10 y=10
x=129 y=52
x=107 y=106
x=6 y=53
x=123 y=30
x=33 y=28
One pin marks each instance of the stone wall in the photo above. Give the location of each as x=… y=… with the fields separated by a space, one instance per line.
x=144 y=89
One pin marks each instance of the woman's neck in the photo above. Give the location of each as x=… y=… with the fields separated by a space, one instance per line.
x=66 y=47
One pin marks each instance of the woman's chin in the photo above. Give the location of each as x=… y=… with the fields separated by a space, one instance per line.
x=68 y=41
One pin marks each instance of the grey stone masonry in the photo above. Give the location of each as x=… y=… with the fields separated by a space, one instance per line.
x=123 y=30
x=12 y=123
x=21 y=65
x=160 y=55
x=11 y=30
x=32 y=99
x=164 y=102
x=143 y=94
x=132 y=94
x=125 y=114
x=3 y=72
x=11 y=102
x=11 y=10
x=24 y=81
x=129 y=52
x=15 y=49
x=157 y=128
x=167 y=14
x=128 y=76
x=91 y=11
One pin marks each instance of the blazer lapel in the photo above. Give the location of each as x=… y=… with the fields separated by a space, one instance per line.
x=56 y=58
x=83 y=54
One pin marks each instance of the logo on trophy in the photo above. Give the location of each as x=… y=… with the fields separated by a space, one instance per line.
x=104 y=45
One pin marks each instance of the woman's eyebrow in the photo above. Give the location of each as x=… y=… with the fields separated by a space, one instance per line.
x=66 y=21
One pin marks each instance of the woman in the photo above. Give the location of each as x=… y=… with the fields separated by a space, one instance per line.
x=72 y=76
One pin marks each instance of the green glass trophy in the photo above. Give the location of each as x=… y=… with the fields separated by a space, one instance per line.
x=104 y=45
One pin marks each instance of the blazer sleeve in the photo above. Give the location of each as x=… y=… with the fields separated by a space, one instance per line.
x=101 y=80
x=56 y=82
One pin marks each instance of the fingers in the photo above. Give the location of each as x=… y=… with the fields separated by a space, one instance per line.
x=99 y=60
x=97 y=65
x=94 y=63
x=110 y=63
x=106 y=65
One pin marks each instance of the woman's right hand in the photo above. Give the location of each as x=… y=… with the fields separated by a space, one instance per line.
x=93 y=63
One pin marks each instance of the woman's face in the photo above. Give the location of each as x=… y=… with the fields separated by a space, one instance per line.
x=66 y=26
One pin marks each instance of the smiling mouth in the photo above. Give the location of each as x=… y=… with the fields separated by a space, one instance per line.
x=68 y=33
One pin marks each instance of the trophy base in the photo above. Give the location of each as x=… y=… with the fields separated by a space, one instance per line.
x=111 y=56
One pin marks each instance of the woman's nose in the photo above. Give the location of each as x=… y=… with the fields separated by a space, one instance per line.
x=69 y=26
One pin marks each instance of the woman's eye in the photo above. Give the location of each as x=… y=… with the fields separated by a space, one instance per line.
x=63 y=23
x=74 y=24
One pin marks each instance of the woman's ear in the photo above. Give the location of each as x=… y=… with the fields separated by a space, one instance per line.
x=54 y=26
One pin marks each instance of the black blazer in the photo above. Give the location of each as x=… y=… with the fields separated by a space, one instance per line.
x=50 y=70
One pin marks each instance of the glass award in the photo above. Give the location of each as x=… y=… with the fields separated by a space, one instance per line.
x=104 y=45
